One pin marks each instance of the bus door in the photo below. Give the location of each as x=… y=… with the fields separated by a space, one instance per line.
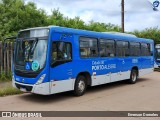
x=123 y=61
x=146 y=58
x=124 y=68
x=157 y=55
x=108 y=63
x=61 y=68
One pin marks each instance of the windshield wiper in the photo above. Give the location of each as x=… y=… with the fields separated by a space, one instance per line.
x=34 y=46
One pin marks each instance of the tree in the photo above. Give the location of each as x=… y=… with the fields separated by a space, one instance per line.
x=57 y=18
x=16 y=15
x=150 y=33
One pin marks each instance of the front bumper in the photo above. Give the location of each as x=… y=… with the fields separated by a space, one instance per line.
x=42 y=89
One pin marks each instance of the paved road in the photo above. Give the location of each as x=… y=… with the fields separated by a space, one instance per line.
x=119 y=96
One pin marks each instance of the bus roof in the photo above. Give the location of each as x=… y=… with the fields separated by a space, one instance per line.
x=109 y=35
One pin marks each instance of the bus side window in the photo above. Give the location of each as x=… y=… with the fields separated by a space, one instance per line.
x=122 y=48
x=61 y=51
x=107 y=48
x=134 y=49
x=145 y=49
x=68 y=51
x=54 y=51
x=83 y=52
x=88 y=47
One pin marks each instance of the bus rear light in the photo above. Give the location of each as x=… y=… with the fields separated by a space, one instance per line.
x=40 y=80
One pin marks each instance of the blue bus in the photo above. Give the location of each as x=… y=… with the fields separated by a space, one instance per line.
x=157 y=59
x=49 y=60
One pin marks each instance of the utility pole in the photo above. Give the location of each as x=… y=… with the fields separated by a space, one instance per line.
x=122 y=15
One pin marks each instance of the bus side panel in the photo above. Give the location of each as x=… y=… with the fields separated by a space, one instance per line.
x=123 y=69
x=100 y=70
x=146 y=65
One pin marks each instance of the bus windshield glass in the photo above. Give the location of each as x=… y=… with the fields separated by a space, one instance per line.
x=30 y=52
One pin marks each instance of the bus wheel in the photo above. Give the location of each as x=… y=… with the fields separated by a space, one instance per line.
x=80 y=86
x=133 y=76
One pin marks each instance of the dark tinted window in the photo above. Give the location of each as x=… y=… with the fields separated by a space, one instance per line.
x=145 y=49
x=135 y=49
x=107 y=48
x=122 y=48
x=88 y=47
x=61 y=51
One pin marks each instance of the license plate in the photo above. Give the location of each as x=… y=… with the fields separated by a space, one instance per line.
x=23 y=89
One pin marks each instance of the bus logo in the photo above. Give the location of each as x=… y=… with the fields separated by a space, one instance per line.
x=35 y=65
x=27 y=66
x=155 y=3
x=6 y=114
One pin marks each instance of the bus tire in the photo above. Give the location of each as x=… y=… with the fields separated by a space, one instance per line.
x=133 y=76
x=80 y=86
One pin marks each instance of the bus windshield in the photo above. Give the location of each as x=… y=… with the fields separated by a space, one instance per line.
x=31 y=54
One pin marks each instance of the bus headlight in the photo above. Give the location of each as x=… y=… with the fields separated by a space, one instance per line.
x=40 y=79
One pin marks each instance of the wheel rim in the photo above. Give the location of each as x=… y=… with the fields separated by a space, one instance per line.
x=81 y=86
x=134 y=76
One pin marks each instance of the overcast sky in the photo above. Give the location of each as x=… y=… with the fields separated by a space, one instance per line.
x=139 y=14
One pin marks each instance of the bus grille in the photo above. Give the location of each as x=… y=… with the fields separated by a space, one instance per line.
x=28 y=88
x=26 y=74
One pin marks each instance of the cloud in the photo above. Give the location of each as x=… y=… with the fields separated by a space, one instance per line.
x=142 y=20
x=139 y=14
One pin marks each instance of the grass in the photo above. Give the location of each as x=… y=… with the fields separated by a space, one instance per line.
x=4 y=77
x=5 y=80
x=7 y=89
x=6 y=85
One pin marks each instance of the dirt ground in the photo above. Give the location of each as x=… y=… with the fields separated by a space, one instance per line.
x=119 y=96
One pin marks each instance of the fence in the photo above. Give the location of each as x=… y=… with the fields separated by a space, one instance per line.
x=6 y=57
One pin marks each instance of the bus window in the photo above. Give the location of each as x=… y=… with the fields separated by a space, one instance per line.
x=88 y=47
x=122 y=48
x=158 y=52
x=107 y=48
x=134 y=49
x=145 y=49
x=61 y=51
